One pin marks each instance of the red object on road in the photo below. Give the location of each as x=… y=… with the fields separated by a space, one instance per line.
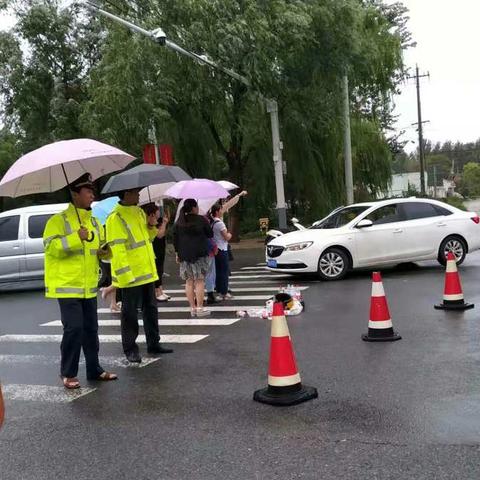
x=284 y=383
x=380 y=327
x=453 y=298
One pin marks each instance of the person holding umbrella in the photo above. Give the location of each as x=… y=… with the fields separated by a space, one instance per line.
x=130 y=234
x=72 y=241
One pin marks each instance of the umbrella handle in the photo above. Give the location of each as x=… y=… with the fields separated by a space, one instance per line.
x=92 y=236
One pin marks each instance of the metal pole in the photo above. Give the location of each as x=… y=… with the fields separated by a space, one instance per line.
x=347 y=143
x=420 y=136
x=434 y=181
x=272 y=109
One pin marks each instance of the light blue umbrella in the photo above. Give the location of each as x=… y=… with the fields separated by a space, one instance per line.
x=103 y=209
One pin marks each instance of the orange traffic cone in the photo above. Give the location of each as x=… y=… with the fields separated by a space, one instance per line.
x=380 y=327
x=453 y=294
x=284 y=384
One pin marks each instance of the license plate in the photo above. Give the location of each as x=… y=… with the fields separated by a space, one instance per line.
x=272 y=263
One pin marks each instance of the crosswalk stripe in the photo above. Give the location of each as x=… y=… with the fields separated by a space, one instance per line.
x=252 y=268
x=264 y=264
x=168 y=310
x=49 y=360
x=43 y=393
x=245 y=289
x=102 y=338
x=266 y=275
x=236 y=298
x=233 y=281
x=191 y=322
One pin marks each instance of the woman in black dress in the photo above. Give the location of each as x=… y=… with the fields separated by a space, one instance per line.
x=159 y=246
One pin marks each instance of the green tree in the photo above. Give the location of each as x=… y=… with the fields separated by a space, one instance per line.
x=471 y=180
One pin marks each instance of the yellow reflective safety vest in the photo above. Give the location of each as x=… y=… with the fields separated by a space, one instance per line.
x=71 y=266
x=130 y=240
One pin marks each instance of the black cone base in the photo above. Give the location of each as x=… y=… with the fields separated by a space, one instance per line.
x=274 y=396
x=454 y=306
x=381 y=335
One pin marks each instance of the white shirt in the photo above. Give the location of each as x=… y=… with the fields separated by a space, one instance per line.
x=218 y=228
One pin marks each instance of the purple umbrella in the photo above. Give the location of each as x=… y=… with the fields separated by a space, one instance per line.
x=54 y=166
x=197 y=188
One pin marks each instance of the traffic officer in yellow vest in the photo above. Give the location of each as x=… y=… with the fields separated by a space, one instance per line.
x=72 y=241
x=129 y=235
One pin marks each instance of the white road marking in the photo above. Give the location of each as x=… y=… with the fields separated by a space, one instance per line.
x=168 y=310
x=192 y=322
x=102 y=338
x=237 y=297
x=233 y=281
x=252 y=268
x=262 y=264
x=49 y=360
x=43 y=393
x=267 y=275
x=242 y=289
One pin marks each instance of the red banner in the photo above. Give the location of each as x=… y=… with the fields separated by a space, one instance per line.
x=166 y=154
x=149 y=154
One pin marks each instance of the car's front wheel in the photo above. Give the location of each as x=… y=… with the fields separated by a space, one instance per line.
x=453 y=244
x=333 y=264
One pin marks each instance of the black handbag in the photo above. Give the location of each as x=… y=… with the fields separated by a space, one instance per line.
x=230 y=254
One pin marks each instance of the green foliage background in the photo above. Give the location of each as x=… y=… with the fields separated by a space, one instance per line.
x=67 y=74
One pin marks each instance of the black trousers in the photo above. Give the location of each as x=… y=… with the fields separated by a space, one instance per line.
x=222 y=272
x=80 y=330
x=133 y=298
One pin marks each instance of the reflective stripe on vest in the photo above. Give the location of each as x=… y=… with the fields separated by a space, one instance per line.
x=46 y=241
x=138 y=279
x=73 y=290
x=122 y=270
x=131 y=239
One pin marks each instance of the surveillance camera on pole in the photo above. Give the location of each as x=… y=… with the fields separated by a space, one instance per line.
x=159 y=36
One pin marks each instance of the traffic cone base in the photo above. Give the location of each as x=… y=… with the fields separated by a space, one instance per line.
x=383 y=335
x=285 y=396
x=454 y=305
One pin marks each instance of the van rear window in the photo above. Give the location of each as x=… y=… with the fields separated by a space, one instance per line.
x=36 y=225
x=9 y=228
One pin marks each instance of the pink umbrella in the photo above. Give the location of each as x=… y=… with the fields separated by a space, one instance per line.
x=54 y=166
x=197 y=188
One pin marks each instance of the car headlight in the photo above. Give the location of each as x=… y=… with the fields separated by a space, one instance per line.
x=295 y=247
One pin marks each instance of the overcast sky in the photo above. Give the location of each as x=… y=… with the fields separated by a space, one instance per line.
x=448 y=39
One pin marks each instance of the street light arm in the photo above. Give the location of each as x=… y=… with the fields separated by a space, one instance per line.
x=159 y=36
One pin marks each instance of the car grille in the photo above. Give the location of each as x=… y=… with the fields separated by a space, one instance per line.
x=274 y=251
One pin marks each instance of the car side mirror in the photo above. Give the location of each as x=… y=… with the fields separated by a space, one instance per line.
x=364 y=223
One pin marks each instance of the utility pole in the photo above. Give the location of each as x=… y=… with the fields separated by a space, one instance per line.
x=347 y=142
x=160 y=37
x=421 y=146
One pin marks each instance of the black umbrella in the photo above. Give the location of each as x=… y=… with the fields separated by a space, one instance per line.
x=144 y=176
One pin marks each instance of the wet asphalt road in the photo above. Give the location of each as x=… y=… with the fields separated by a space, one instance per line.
x=402 y=410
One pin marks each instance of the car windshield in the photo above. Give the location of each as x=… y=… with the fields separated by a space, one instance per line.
x=341 y=217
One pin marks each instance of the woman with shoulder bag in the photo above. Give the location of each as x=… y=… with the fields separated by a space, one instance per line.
x=191 y=234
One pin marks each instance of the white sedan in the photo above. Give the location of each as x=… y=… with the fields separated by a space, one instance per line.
x=376 y=234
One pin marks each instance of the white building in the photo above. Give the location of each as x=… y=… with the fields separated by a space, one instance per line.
x=405 y=182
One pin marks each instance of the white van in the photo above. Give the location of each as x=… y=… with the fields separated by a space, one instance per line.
x=21 y=244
